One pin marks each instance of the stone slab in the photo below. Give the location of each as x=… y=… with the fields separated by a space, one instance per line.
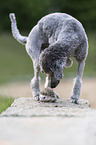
x=63 y=107
x=61 y=123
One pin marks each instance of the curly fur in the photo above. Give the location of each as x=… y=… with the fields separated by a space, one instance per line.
x=51 y=43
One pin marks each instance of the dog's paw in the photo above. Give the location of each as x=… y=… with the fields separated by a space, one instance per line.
x=75 y=99
x=37 y=98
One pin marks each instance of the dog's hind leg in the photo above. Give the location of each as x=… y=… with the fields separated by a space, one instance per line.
x=35 y=82
x=33 y=48
x=77 y=83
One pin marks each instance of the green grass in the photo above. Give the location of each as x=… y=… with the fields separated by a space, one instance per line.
x=16 y=65
x=5 y=102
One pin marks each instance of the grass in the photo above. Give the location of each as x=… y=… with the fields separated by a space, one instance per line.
x=14 y=61
x=5 y=102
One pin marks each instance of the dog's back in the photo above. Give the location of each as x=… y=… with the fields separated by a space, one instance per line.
x=54 y=26
x=66 y=37
x=51 y=25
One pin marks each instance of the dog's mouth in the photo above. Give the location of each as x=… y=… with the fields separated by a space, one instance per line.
x=54 y=82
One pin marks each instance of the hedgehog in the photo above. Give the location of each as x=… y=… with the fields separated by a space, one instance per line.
x=48 y=95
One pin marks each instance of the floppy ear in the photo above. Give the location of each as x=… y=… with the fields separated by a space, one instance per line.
x=58 y=68
x=58 y=72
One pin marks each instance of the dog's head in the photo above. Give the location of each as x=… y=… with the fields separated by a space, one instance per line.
x=54 y=71
x=58 y=68
x=52 y=63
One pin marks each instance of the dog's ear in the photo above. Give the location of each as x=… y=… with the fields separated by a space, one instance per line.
x=58 y=68
x=58 y=72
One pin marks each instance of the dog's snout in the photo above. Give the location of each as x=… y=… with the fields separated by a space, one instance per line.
x=54 y=83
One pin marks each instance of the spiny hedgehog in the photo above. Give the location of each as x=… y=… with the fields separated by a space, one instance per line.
x=48 y=95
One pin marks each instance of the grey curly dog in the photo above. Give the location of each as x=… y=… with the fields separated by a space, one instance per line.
x=51 y=43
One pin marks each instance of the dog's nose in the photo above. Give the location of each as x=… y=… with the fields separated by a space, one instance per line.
x=54 y=83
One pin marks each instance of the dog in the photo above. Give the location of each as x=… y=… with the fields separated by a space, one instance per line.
x=51 y=43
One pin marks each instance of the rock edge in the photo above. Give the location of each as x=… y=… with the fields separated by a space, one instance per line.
x=27 y=107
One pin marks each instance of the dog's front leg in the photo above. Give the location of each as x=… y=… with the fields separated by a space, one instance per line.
x=78 y=83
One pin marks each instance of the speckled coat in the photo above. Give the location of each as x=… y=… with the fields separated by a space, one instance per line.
x=51 y=43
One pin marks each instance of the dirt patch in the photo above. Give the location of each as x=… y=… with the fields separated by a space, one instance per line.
x=22 y=89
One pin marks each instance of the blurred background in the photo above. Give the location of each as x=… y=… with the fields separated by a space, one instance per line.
x=16 y=66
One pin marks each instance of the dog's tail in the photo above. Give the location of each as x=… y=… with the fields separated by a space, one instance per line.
x=15 y=31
